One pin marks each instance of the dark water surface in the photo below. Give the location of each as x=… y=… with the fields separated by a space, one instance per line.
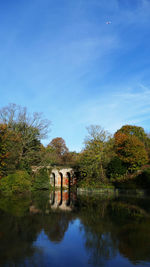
x=66 y=229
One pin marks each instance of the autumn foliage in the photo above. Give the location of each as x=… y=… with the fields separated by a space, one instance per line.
x=9 y=150
x=130 y=150
x=103 y=157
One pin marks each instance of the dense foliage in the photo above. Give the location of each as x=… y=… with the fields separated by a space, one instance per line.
x=108 y=159
x=96 y=154
x=18 y=182
x=130 y=150
x=41 y=180
x=116 y=168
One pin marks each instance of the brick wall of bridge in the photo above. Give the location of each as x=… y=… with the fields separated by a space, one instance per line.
x=62 y=177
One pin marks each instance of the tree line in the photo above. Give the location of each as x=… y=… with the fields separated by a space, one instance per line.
x=104 y=158
x=116 y=158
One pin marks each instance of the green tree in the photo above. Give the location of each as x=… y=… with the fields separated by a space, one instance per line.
x=41 y=180
x=96 y=154
x=116 y=168
x=18 y=182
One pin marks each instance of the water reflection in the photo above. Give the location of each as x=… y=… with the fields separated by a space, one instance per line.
x=119 y=226
x=63 y=200
x=79 y=230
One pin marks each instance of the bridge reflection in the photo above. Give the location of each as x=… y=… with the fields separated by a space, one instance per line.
x=58 y=200
x=62 y=200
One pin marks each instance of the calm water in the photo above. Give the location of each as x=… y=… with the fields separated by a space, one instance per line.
x=65 y=229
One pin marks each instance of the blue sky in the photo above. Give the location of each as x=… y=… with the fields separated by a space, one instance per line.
x=60 y=57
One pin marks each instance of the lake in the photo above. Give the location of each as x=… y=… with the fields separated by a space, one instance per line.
x=64 y=228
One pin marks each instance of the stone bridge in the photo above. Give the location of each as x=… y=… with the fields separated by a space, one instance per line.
x=59 y=177
x=62 y=177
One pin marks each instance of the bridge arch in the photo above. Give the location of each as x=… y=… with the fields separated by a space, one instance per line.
x=62 y=177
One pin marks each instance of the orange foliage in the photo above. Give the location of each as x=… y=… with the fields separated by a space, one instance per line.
x=130 y=150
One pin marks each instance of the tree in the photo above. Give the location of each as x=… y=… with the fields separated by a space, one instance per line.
x=18 y=182
x=71 y=158
x=48 y=156
x=18 y=119
x=9 y=150
x=96 y=153
x=116 y=168
x=59 y=145
x=130 y=150
x=3 y=149
x=96 y=133
x=59 y=151
x=41 y=180
x=139 y=133
x=30 y=129
x=134 y=130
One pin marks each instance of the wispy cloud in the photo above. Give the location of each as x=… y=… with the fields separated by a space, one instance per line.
x=131 y=106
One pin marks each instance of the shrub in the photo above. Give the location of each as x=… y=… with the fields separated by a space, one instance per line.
x=18 y=182
x=41 y=180
x=116 y=168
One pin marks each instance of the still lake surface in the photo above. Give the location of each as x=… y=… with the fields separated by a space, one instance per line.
x=68 y=229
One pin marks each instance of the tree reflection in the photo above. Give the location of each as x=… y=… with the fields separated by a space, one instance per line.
x=134 y=241
x=16 y=237
x=132 y=228
x=108 y=225
x=56 y=225
x=97 y=230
